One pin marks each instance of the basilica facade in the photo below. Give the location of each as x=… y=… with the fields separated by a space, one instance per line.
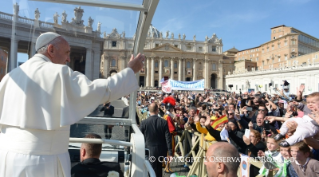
x=169 y=57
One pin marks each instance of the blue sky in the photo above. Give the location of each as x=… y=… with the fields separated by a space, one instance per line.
x=243 y=24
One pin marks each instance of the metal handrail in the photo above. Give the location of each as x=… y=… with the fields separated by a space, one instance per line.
x=149 y=168
x=100 y=141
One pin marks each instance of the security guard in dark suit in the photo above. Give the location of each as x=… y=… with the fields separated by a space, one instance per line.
x=90 y=165
x=157 y=138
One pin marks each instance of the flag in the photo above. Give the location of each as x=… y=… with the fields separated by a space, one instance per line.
x=223 y=119
x=166 y=87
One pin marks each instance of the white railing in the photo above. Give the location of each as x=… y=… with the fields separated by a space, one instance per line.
x=6 y=16
x=25 y=20
x=46 y=25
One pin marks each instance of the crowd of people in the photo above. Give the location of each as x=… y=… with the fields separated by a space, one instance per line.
x=280 y=127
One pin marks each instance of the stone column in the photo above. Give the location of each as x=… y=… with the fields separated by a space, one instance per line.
x=88 y=63
x=220 y=84
x=14 y=42
x=106 y=65
x=180 y=69
x=160 y=69
x=152 y=72
x=206 y=74
x=32 y=49
x=13 y=54
x=194 y=69
x=183 y=70
x=96 y=64
x=172 y=69
x=148 y=72
x=123 y=62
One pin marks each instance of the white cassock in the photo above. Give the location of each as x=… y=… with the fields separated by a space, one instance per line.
x=38 y=102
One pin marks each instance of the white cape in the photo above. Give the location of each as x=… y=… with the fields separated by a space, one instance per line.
x=38 y=102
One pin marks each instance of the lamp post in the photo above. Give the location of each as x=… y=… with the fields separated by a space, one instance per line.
x=239 y=92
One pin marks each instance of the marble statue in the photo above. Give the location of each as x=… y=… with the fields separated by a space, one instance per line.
x=161 y=35
x=90 y=22
x=167 y=34
x=149 y=34
x=206 y=38
x=55 y=18
x=123 y=34
x=78 y=14
x=194 y=38
x=104 y=34
x=64 y=15
x=184 y=36
x=36 y=14
x=99 y=27
x=172 y=35
x=16 y=8
x=308 y=61
x=179 y=36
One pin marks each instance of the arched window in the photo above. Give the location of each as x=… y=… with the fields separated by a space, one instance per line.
x=188 y=64
x=113 y=63
x=156 y=64
x=214 y=67
x=166 y=63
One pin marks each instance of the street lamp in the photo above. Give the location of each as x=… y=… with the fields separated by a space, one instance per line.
x=230 y=86
x=239 y=92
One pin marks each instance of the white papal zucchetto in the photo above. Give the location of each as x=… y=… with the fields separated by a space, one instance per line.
x=44 y=39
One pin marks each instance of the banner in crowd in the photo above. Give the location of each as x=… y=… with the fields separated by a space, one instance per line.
x=169 y=85
x=244 y=165
x=223 y=119
x=187 y=85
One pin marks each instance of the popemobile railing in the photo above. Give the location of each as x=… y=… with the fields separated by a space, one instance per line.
x=127 y=172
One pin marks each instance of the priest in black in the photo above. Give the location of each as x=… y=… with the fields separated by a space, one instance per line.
x=157 y=138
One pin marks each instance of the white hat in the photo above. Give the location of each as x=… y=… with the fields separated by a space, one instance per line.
x=286 y=87
x=44 y=39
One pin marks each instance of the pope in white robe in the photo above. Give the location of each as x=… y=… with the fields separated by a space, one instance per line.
x=38 y=102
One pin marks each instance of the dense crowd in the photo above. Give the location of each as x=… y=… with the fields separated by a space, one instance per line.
x=280 y=127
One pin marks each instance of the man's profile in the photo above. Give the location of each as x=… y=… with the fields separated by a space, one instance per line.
x=41 y=98
x=90 y=164
x=216 y=160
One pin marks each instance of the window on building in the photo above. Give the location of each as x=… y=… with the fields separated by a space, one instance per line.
x=267 y=49
x=214 y=67
x=113 y=43
x=200 y=48
x=236 y=87
x=274 y=31
x=286 y=57
x=266 y=87
x=188 y=64
x=156 y=45
x=175 y=72
x=130 y=46
x=175 y=64
x=189 y=47
x=272 y=48
x=113 y=63
x=257 y=59
x=285 y=43
x=263 y=63
x=156 y=64
x=293 y=42
x=278 y=59
x=165 y=63
x=278 y=45
x=213 y=48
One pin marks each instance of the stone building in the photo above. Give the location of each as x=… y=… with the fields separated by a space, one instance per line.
x=285 y=45
x=19 y=34
x=169 y=56
x=3 y=63
x=306 y=72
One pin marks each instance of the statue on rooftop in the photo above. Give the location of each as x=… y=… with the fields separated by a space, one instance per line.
x=64 y=15
x=36 y=14
x=90 y=22
x=55 y=18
